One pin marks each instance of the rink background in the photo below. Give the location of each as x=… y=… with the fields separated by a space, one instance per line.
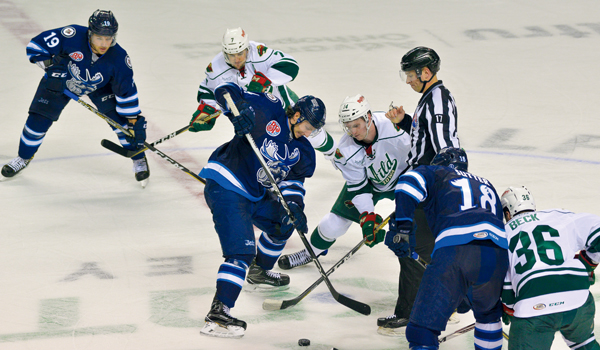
x=91 y=261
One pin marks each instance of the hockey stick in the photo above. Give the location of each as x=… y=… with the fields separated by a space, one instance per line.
x=342 y=299
x=273 y=304
x=457 y=333
x=463 y=331
x=130 y=153
x=129 y=134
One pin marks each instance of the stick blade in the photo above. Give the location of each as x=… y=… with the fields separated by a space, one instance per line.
x=355 y=305
x=272 y=305
x=111 y=146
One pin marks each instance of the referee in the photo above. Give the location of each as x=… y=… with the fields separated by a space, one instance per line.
x=432 y=127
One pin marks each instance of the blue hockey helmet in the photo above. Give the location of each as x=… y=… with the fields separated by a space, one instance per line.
x=103 y=23
x=455 y=158
x=312 y=109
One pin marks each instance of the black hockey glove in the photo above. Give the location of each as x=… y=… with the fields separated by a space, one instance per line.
x=244 y=123
x=56 y=79
x=401 y=239
x=139 y=132
x=287 y=225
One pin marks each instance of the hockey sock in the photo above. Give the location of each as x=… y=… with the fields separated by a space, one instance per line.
x=488 y=336
x=230 y=279
x=33 y=135
x=318 y=242
x=268 y=251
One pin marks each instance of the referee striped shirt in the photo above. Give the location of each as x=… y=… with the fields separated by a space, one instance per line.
x=433 y=125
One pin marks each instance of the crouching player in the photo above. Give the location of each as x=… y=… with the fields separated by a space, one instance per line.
x=237 y=194
x=465 y=215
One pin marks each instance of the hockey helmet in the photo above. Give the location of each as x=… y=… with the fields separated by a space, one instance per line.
x=517 y=199
x=353 y=108
x=418 y=58
x=451 y=157
x=103 y=23
x=312 y=109
x=234 y=41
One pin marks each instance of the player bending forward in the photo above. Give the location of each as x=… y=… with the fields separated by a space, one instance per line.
x=256 y=68
x=371 y=156
x=552 y=255
x=236 y=193
x=87 y=61
x=465 y=216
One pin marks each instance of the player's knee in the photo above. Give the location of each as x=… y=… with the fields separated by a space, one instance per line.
x=421 y=338
x=333 y=226
x=240 y=259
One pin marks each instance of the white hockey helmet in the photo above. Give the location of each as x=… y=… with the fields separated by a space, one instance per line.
x=234 y=41
x=353 y=108
x=517 y=199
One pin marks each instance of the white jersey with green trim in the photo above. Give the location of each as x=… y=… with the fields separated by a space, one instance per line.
x=544 y=277
x=379 y=164
x=279 y=67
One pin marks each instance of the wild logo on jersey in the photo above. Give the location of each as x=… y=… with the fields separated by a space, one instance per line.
x=386 y=170
x=81 y=86
x=261 y=49
x=279 y=165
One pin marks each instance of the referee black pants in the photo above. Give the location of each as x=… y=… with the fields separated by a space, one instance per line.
x=411 y=272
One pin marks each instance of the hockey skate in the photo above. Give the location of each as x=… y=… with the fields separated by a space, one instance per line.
x=262 y=280
x=220 y=323
x=13 y=167
x=300 y=258
x=141 y=170
x=392 y=326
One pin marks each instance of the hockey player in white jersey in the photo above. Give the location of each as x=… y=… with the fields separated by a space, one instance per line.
x=371 y=156
x=552 y=255
x=256 y=68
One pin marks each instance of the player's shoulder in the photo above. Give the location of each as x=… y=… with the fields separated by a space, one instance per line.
x=385 y=127
x=346 y=149
x=217 y=67
x=259 y=50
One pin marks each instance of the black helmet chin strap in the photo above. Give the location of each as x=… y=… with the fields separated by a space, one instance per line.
x=424 y=82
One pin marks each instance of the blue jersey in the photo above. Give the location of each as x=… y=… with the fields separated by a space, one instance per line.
x=88 y=72
x=235 y=166
x=460 y=207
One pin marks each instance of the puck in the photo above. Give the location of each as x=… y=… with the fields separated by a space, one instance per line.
x=303 y=342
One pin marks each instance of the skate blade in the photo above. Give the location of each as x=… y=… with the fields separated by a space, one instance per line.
x=264 y=288
x=392 y=332
x=144 y=182
x=212 y=329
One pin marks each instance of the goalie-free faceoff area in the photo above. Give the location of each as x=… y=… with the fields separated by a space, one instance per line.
x=93 y=261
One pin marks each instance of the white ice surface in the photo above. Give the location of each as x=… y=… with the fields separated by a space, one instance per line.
x=85 y=253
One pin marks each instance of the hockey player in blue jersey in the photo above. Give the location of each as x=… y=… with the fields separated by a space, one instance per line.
x=470 y=253
x=237 y=194
x=87 y=61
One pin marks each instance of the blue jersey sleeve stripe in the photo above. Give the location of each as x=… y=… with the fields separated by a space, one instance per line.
x=126 y=99
x=410 y=190
x=129 y=111
x=419 y=178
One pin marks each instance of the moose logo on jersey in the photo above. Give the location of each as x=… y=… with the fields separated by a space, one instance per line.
x=81 y=86
x=279 y=165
